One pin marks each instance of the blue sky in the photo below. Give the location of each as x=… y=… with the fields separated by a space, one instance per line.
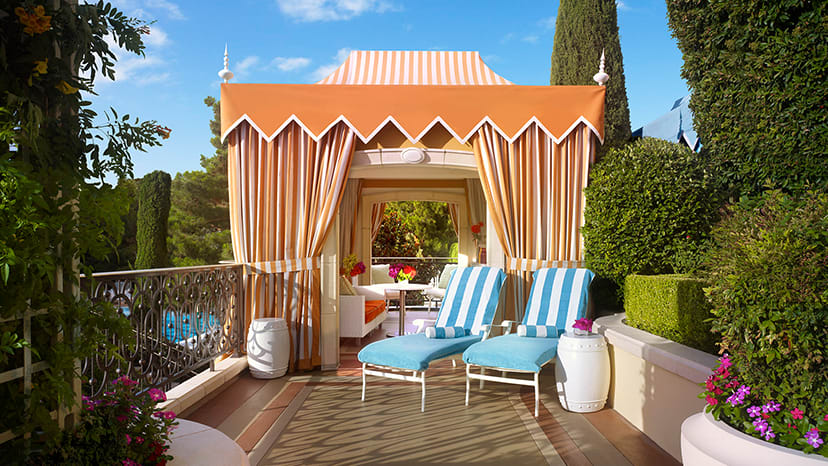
x=283 y=41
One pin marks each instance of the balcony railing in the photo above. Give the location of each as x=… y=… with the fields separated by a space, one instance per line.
x=184 y=318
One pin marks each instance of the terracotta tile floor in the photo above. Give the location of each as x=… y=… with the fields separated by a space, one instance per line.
x=318 y=418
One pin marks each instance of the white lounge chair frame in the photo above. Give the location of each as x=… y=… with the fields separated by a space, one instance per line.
x=482 y=377
x=395 y=373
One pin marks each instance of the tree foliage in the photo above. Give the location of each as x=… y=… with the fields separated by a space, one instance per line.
x=395 y=238
x=153 y=218
x=200 y=213
x=582 y=30
x=50 y=214
x=431 y=224
x=757 y=70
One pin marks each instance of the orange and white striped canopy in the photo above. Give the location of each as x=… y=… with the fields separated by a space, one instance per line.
x=413 y=91
x=416 y=68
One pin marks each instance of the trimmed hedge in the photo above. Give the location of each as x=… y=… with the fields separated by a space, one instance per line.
x=649 y=209
x=769 y=293
x=671 y=306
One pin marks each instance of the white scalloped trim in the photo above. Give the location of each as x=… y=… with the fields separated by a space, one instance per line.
x=413 y=139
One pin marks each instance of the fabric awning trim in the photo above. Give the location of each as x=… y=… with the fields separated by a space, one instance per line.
x=413 y=138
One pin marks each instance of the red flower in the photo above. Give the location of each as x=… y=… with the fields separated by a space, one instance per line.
x=410 y=271
x=476 y=228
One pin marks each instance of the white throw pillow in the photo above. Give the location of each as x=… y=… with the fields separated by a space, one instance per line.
x=445 y=276
x=379 y=274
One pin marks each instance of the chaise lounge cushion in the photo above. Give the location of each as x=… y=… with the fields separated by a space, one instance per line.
x=512 y=352
x=373 y=309
x=413 y=352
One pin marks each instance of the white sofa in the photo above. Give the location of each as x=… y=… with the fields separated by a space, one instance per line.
x=352 y=312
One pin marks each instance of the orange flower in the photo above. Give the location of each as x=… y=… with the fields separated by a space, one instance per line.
x=163 y=131
x=35 y=22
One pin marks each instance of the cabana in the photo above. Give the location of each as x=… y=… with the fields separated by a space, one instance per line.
x=392 y=122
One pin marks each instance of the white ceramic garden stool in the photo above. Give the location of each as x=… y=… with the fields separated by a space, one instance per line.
x=582 y=372
x=268 y=348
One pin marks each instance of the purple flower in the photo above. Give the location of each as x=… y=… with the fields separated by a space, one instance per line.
x=771 y=407
x=769 y=434
x=725 y=361
x=761 y=425
x=743 y=390
x=125 y=381
x=754 y=411
x=812 y=437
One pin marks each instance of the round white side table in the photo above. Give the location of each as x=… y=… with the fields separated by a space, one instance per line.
x=582 y=372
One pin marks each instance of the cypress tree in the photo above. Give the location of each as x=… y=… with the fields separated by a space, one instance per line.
x=584 y=28
x=153 y=214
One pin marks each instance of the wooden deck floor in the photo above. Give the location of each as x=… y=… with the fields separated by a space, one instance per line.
x=318 y=418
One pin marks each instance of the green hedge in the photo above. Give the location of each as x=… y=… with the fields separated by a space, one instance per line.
x=757 y=70
x=671 y=306
x=649 y=209
x=769 y=292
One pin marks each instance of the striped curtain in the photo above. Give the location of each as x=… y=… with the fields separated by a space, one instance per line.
x=284 y=195
x=452 y=208
x=349 y=209
x=534 y=189
x=376 y=219
x=476 y=201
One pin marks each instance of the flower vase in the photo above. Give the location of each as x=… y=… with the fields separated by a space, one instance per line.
x=355 y=280
x=402 y=282
x=580 y=332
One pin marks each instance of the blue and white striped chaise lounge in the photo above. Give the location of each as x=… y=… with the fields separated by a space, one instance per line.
x=558 y=297
x=470 y=302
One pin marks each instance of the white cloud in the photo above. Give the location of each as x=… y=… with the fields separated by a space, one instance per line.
x=622 y=6
x=156 y=38
x=290 y=63
x=532 y=39
x=331 y=10
x=172 y=10
x=244 y=67
x=325 y=70
x=548 y=23
x=508 y=37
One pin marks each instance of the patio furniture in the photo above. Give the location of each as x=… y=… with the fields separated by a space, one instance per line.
x=401 y=289
x=471 y=302
x=582 y=372
x=361 y=310
x=438 y=291
x=558 y=297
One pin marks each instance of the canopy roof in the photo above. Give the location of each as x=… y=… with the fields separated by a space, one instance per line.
x=413 y=91
x=674 y=126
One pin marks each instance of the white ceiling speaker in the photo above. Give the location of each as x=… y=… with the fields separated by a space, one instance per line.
x=412 y=155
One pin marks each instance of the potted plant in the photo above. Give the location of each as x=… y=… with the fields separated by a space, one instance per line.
x=352 y=268
x=766 y=400
x=121 y=426
x=402 y=273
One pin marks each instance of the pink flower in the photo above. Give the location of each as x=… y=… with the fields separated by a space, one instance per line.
x=129 y=462
x=125 y=381
x=128 y=439
x=164 y=414
x=711 y=401
x=825 y=418
x=121 y=418
x=796 y=413
x=583 y=324
x=157 y=395
x=725 y=361
x=139 y=440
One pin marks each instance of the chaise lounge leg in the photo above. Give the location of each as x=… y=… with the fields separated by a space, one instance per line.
x=468 y=383
x=363 y=381
x=482 y=372
x=537 y=392
x=422 y=401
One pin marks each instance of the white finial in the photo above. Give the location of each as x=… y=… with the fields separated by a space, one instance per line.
x=226 y=74
x=600 y=77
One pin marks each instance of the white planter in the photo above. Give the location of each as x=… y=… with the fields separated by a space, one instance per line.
x=582 y=372
x=268 y=348
x=706 y=441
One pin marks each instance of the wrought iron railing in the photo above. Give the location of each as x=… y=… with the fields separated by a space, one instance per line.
x=183 y=319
